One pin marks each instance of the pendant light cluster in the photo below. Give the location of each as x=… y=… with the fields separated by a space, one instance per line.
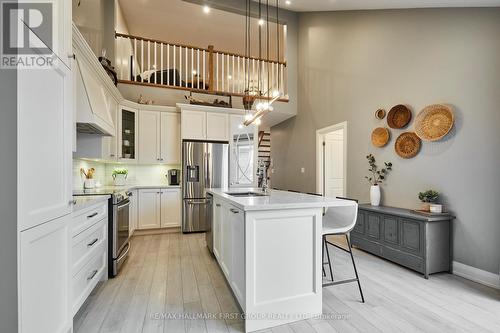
x=266 y=99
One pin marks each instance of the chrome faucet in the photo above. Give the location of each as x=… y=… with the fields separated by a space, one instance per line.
x=262 y=172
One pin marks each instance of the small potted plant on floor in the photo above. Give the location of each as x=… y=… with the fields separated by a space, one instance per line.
x=428 y=199
x=119 y=176
x=377 y=177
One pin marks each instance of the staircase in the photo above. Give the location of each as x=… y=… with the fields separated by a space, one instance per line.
x=265 y=150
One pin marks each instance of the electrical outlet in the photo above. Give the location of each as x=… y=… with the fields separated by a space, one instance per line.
x=302 y=170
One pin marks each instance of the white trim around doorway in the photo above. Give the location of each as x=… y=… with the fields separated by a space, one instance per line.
x=319 y=156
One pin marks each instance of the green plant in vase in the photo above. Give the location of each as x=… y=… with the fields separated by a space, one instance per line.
x=377 y=177
x=119 y=176
x=427 y=198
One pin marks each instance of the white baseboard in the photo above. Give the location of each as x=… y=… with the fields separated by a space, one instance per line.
x=476 y=275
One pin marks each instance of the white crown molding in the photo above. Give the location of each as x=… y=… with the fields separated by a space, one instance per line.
x=477 y=275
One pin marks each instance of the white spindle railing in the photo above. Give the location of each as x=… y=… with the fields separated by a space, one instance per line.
x=186 y=67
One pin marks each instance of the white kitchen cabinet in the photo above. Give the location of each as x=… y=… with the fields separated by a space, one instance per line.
x=170 y=138
x=159 y=137
x=216 y=225
x=159 y=208
x=149 y=137
x=200 y=125
x=170 y=207
x=44 y=277
x=45 y=124
x=134 y=210
x=237 y=275
x=149 y=215
x=194 y=125
x=128 y=130
x=217 y=126
x=225 y=241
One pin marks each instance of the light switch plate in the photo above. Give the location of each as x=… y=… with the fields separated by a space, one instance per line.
x=302 y=170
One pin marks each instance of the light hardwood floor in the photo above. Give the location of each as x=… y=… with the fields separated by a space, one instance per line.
x=174 y=274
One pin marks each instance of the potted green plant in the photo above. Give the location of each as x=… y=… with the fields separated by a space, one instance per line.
x=428 y=198
x=119 y=176
x=377 y=177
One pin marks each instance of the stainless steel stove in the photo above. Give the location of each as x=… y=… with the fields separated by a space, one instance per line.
x=118 y=225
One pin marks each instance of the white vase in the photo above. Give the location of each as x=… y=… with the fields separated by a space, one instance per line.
x=375 y=195
x=119 y=179
x=89 y=183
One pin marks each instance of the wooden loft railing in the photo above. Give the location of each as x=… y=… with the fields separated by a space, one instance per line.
x=145 y=61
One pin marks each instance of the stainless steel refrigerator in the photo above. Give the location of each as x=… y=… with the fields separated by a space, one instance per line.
x=204 y=165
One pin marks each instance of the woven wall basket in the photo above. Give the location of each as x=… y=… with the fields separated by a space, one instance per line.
x=434 y=122
x=380 y=136
x=407 y=145
x=399 y=116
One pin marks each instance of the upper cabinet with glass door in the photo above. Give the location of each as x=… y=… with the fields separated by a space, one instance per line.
x=127 y=134
x=243 y=145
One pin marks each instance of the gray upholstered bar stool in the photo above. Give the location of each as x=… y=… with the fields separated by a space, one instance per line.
x=340 y=221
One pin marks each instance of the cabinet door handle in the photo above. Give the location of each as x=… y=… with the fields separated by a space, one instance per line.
x=112 y=155
x=217 y=205
x=92 y=242
x=91 y=276
x=92 y=215
x=234 y=211
x=72 y=202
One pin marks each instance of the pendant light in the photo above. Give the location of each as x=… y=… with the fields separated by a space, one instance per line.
x=264 y=105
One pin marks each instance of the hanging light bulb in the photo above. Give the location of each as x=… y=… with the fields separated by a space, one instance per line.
x=258 y=122
x=248 y=116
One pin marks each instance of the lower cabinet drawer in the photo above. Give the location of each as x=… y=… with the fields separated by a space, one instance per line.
x=84 y=218
x=86 y=279
x=87 y=243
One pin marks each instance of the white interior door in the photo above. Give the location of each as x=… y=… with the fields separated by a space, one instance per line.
x=334 y=163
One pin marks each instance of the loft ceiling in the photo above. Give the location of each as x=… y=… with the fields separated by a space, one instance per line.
x=333 y=5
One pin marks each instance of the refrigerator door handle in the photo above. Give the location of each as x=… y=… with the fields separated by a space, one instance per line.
x=197 y=202
x=208 y=173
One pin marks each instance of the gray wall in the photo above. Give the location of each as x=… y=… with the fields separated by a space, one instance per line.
x=8 y=200
x=351 y=63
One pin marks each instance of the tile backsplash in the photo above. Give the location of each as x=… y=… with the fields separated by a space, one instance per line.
x=137 y=174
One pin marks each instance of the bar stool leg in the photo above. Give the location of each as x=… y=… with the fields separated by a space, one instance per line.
x=328 y=256
x=323 y=255
x=354 y=265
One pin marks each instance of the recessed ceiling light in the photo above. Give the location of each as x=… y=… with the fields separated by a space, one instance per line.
x=206 y=9
x=288 y=2
x=261 y=22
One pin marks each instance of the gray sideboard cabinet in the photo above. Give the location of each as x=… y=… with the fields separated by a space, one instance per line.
x=416 y=241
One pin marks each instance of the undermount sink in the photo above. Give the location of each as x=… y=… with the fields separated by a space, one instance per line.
x=246 y=194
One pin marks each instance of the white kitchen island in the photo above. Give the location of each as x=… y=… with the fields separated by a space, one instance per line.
x=269 y=249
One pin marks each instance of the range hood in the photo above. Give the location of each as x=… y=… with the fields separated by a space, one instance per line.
x=93 y=105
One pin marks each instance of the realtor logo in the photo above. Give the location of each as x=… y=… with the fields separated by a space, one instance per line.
x=27 y=36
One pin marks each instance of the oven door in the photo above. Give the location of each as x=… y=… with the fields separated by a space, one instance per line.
x=120 y=227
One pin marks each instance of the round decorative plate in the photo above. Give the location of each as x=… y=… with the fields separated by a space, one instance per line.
x=399 y=116
x=434 y=122
x=380 y=136
x=407 y=145
x=380 y=114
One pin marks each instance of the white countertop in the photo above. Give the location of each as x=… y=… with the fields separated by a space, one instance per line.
x=82 y=202
x=276 y=199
